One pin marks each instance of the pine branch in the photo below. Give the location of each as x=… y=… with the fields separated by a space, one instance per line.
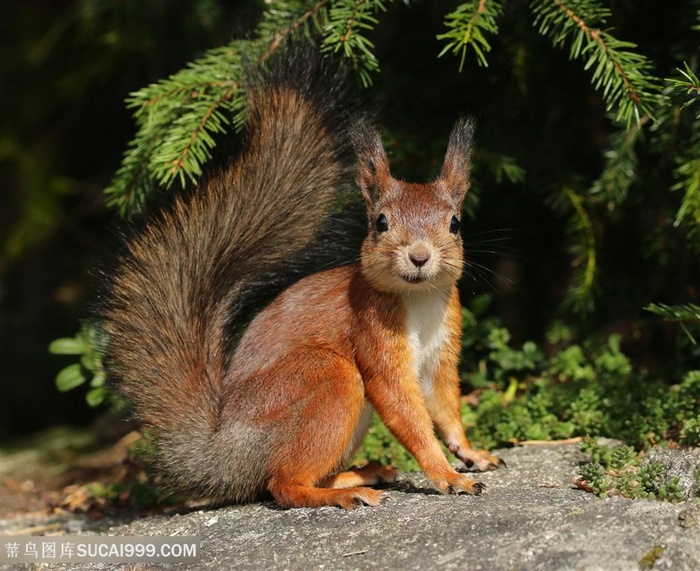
x=176 y=119
x=623 y=76
x=571 y=204
x=689 y=85
x=204 y=120
x=681 y=313
x=179 y=117
x=687 y=173
x=348 y=20
x=580 y=294
x=285 y=19
x=620 y=170
x=132 y=183
x=687 y=161
x=469 y=25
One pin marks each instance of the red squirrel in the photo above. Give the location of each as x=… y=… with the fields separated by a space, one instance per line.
x=280 y=405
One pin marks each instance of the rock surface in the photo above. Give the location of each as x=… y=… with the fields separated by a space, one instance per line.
x=529 y=518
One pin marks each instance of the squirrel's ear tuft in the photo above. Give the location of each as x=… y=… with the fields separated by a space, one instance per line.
x=372 y=164
x=455 y=169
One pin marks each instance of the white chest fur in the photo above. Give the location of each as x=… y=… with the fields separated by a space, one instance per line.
x=427 y=333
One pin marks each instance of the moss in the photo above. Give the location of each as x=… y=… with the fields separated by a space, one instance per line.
x=648 y=561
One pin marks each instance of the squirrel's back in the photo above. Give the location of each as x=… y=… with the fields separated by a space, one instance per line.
x=186 y=274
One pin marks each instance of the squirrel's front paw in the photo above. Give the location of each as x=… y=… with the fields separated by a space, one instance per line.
x=480 y=460
x=459 y=483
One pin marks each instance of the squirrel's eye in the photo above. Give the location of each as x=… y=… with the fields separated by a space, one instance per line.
x=454 y=225
x=382 y=223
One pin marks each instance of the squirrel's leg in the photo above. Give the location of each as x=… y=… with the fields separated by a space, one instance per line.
x=400 y=404
x=443 y=404
x=370 y=474
x=317 y=431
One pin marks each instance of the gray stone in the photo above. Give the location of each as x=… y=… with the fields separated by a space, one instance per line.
x=529 y=518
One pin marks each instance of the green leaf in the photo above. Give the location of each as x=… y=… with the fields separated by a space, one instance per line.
x=96 y=396
x=88 y=362
x=98 y=378
x=70 y=377
x=67 y=346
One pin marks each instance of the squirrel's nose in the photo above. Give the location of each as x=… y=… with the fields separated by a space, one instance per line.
x=419 y=256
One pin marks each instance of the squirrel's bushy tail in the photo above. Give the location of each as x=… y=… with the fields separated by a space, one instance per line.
x=182 y=278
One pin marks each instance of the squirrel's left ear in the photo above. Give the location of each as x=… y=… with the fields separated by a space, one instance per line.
x=455 y=169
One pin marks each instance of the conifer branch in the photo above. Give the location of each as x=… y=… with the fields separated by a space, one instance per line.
x=622 y=75
x=314 y=14
x=688 y=175
x=469 y=25
x=680 y=313
x=344 y=30
x=689 y=85
x=177 y=117
x=181 y=162
x=599 y=38
x=174 y=119
x=132 y=183
x=581 y=291
x=687 y=162
x=620 y=170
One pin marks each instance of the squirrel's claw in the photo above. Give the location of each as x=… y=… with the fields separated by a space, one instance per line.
x=481 y=460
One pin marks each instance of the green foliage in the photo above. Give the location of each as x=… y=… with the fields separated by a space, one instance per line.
x=135 y=495
x=623 y=75
x=88 y=344
x=620 y=170
x=345 y=30
x=177 y=119
x=621 y=471
x=583 y=248
x=637 y=102
x=589 y=389
x=560 y=403
x=681 y=313
x=140 y=488
x=469 y=25
x=689 y=84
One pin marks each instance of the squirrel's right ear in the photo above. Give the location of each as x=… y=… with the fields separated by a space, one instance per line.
x=372 y=163
x=455 y=170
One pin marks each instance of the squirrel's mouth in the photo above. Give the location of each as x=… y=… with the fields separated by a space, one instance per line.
x=415 y=278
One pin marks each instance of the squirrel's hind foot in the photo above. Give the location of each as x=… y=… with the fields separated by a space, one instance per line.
x=371 y=474
x=299 y=496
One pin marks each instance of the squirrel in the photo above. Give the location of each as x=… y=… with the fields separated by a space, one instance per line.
x=278 y=406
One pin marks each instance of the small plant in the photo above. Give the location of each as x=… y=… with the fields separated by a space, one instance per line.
x=651 y=557
x=582 y=389
x=620 y=471
x=87 y=344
